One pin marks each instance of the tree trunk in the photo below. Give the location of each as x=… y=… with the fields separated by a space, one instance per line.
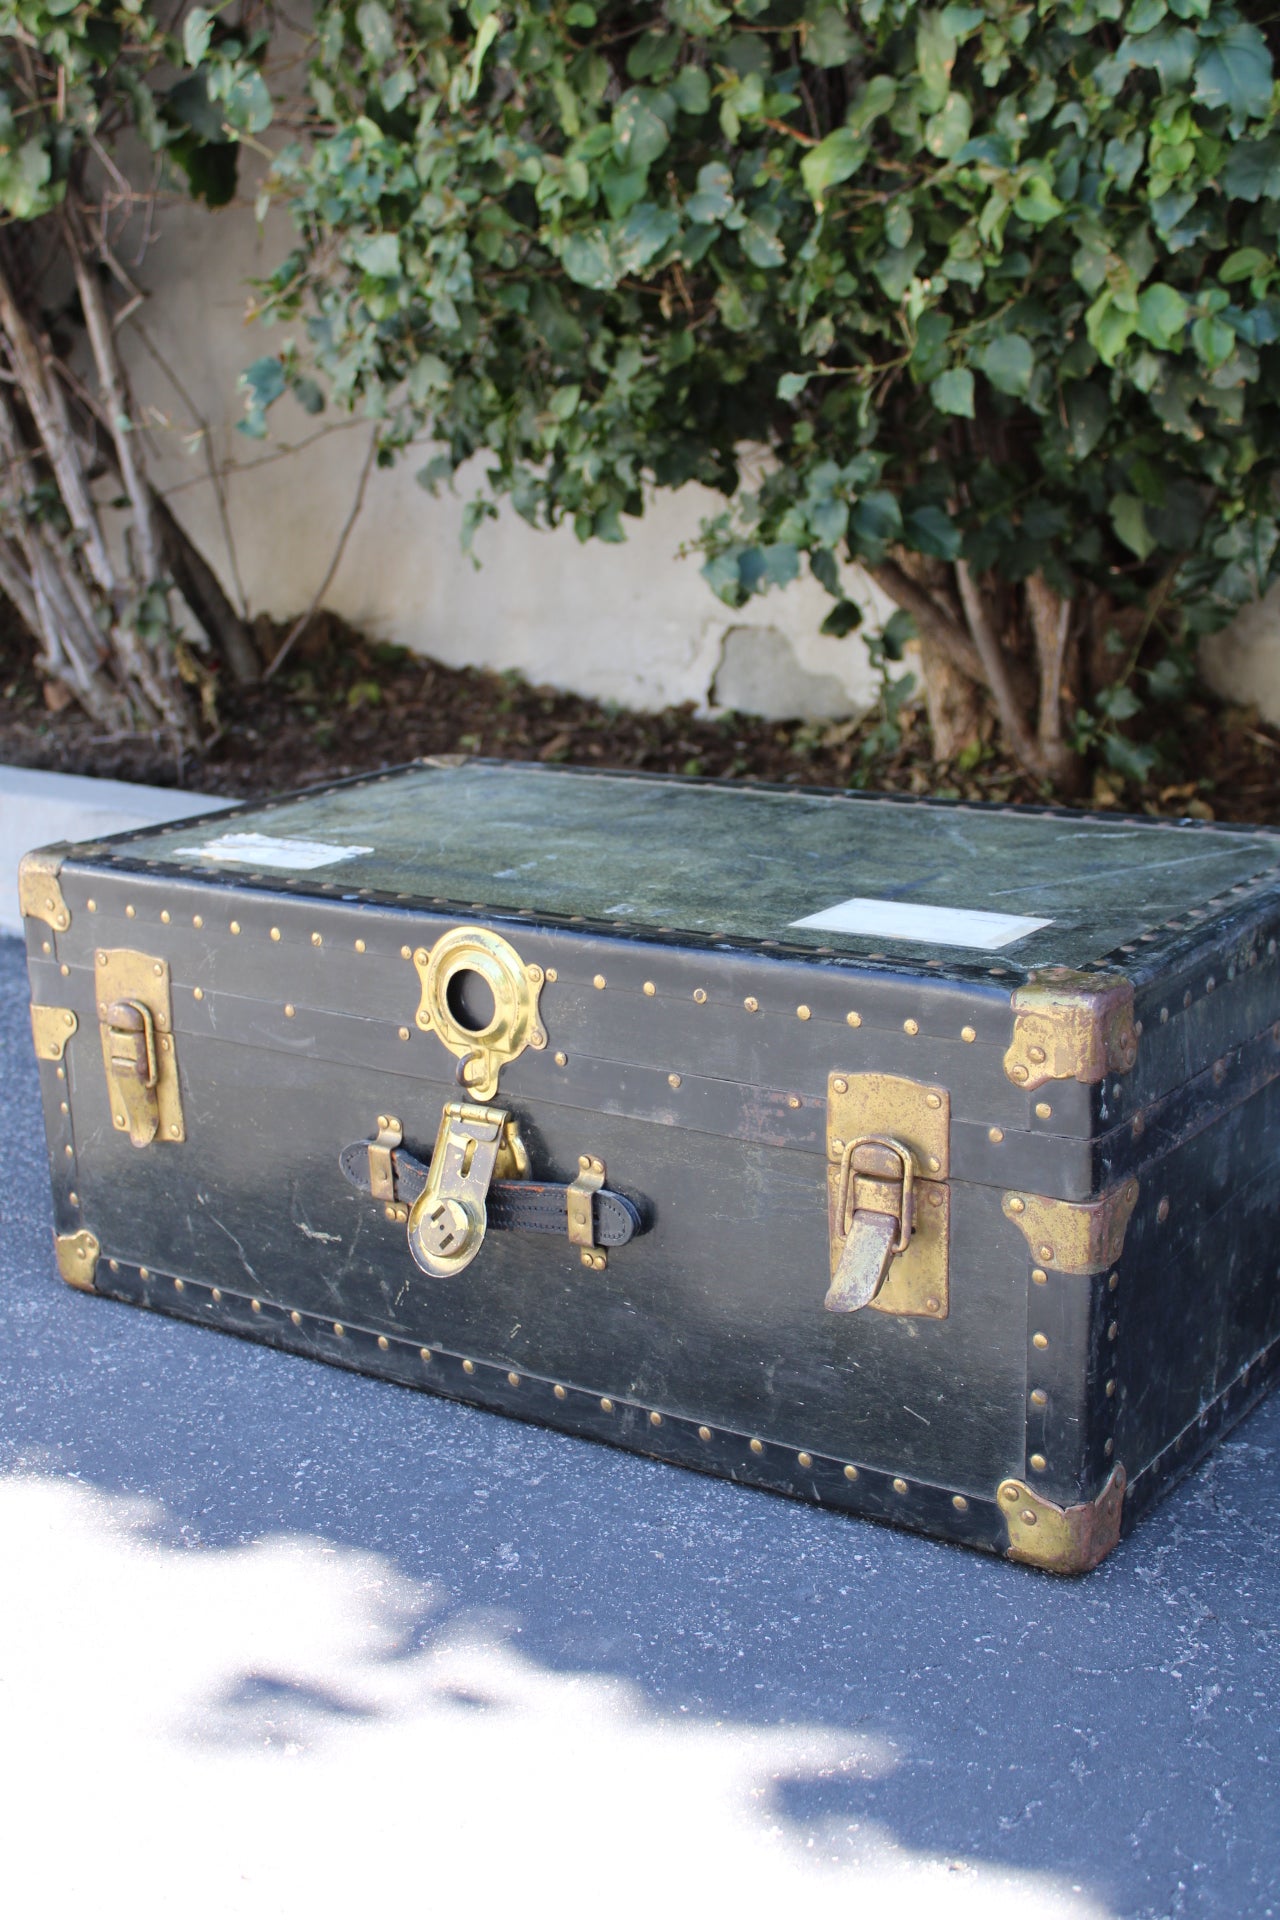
x=951 y=699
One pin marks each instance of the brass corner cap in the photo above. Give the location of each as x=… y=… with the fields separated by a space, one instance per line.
x=1074 y=1236
x=78 y=1255
x=1062 y=1539
x=1071 y=1026
x=39 y=894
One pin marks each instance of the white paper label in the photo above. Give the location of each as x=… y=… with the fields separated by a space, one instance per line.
x=260 y=850
x=926 y=926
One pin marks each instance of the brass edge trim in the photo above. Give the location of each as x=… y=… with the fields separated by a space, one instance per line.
x=1071 y=1026
x=39 y=893
x=77 y=1256
x=1074 y=1236
x=1061 y=1539
x=51 y=1028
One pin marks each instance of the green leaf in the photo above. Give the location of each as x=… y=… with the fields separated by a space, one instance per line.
x=564 y=401
x=691 y=90
x=698 y=17
x=834 y=159
x=639 y=133
x=1129 y=758
x=1037 y=204
x=1252 y=171
x=1246 y=263
x=643 y=235
x=1162 y=315
x=197 y=31
x=588 y=259
x=1088 y=412
x=1109 y=327
x=935 y=57
x=759 y=241
x=1213 y=340
x=875 y=523
x=949 y=128
x=379 y=255
x=1235 y=72
x=1169 y=51
x=952 y=392
x=791 y=385
x=842 y=619
x=373 y=24
x=1008 y=363
x=829 y=41
x=929 y=530
x=1129 y=518
x=713 y=200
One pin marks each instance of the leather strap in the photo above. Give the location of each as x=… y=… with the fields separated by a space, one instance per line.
x=531 y=1206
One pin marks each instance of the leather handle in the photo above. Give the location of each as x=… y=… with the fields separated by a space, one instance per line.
x=530 y=1206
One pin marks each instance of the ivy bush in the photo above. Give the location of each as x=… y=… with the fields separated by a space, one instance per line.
x=995 y=285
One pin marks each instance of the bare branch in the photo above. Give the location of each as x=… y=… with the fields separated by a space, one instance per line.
x=934 y=622
x=301 y=623
x=996 y=670
x=1050 y=624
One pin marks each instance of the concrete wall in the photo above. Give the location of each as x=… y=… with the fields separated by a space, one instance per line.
x=634 y=624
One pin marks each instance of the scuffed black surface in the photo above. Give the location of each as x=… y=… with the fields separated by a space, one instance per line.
x=1119 y=1733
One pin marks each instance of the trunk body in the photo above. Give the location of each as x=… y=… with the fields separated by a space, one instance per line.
x=1083 y=1077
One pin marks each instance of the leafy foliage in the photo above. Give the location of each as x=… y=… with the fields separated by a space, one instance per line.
x=994 y=281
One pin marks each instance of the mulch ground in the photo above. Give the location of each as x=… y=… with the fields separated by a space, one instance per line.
x=345 y=705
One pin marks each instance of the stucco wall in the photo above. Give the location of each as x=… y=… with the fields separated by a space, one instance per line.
x=634 y=624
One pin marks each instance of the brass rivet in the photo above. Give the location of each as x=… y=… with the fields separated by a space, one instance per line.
x=935 y=1165
x=995 y=1135
x=164 y=915
x=468 y=1366
x=1038 y=1462
x=92 y=905
x=1028 y=1517
x=63 y=1107
x=317 y=940
x=599 y=981
x=933 y=1304
x=1039 y=1398
x=1036 y=1054
x=837 y=1146
x=805 y=1459
x=968 y=1033
x=1109 y=1448
x=959 y=1502
x=1040 y=1340
x=1162 y=1211
x=179 y=1286
x=70 y=1152
x=1016 y=1204
x=562 y=1059
x=513 y=1379
x=1111 y=1389
x=655 y=1419
x=289 y=1011
x=911 y=1026
x=255 y=1306
x=793 y=1100
x=853 y=1019
x=704 y=1433
x=802 y=1013
x=175 y=1131
x=1045 y=1253
x=158 y=968
x=1009 y=1495
x=935 y=1198
x=46 y=946
x=74 y=1198
x=851 y=1473
x=424 y=1353
x=839 y=1084
x=700 y=995
x=649 y=988
x=296 y=1318
x=933 y=1099
x=1113 y=1331
x=359 y=946
x=120 y=1120
x=606 y=1405
x=61 y=1072
x=338 y=1328
x=1113 y=1281
x=197 y=993
x=673 y=1080
x=215 y=1294
x=383 y=1342
x=235 y=926
x=751 y=1004
x=560 y=1393
x=129 y=913
x=534 y=973
x=406 y=953
x=1039 y=1276
x=900 y=1486
x=1043 y=1110
x=757 y=1446
x=404 y=1033
x=1018 y=1073
x=552 y=975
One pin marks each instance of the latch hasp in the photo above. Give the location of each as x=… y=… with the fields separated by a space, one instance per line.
x=135 y=1016
x=867 y=1106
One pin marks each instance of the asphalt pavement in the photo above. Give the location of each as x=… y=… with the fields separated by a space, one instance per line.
x=275 y=1640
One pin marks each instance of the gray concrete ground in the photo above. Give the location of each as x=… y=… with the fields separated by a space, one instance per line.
x=275 y=1639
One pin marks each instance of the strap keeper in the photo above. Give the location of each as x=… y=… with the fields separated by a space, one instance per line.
x=581 y=1194
x=382 y=1176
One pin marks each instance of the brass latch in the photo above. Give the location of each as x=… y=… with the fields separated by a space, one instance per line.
x=449 y=1219
x=888 y=1157
x=581 y=1211
x=136 y=1022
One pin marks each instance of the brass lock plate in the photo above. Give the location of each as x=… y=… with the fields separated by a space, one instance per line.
x=135 y=1017
x=868 y=1106
x=464 y=965
x=449 y=1219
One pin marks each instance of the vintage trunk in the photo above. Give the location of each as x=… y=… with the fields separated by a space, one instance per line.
x=920 y=1160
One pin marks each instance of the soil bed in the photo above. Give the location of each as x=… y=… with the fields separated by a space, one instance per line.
x=346 y=705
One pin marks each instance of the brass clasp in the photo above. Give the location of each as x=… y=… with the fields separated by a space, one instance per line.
x=888 y=1159
x=135 y=1018
x=877 y=1175
x=449 y=1219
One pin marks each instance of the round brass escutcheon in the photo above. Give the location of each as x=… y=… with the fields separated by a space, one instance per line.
x=482 y=1000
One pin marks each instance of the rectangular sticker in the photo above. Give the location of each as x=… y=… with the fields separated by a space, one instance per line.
x=261 y=850
x=925 y=925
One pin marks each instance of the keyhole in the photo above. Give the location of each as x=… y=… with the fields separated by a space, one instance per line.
x=470 y=1001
